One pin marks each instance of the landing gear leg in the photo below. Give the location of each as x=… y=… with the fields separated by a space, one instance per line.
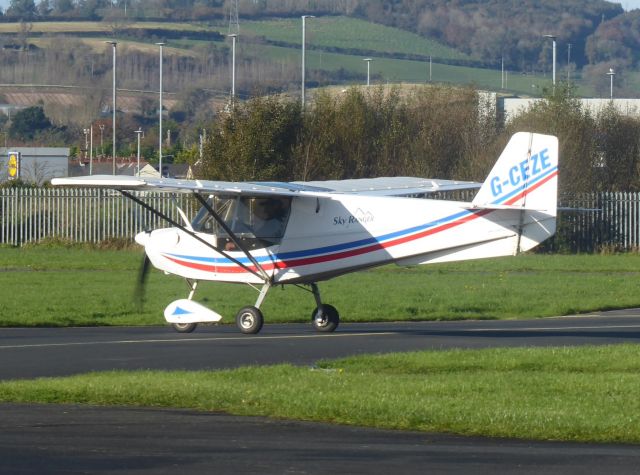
x=325 y=317
x=250 y=319
x=187 y=327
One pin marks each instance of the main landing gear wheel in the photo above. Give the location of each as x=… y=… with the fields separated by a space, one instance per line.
x=325 y=318
x=249 y=320
x=184 y=327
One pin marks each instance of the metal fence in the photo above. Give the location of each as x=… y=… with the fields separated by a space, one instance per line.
x=587 y=222
x=590 y=222
x=80 y=215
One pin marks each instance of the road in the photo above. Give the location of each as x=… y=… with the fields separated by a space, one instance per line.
x=79 y=439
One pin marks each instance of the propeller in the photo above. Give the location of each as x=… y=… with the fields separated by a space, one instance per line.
x=138 y=295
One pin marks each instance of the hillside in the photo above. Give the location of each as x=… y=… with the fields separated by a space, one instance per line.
x=485 y=30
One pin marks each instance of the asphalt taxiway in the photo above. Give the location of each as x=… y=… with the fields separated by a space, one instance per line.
x=38 y=352
x=76 y=439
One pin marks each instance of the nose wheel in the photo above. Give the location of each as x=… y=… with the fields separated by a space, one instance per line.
x=184 y=327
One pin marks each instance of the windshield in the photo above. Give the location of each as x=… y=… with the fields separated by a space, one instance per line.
x=262 y=219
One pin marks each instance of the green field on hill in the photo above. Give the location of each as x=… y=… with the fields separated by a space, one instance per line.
x=349 y=34
x=334 y=43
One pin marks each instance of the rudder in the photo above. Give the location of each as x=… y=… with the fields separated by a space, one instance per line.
x=525 y=175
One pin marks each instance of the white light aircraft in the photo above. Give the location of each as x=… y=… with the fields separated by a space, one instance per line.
x=265 y=234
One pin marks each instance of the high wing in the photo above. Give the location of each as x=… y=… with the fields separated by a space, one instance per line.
x=385 y=186
x=392 y=186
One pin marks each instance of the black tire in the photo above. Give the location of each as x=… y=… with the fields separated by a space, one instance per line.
x=184 y=327
x=325 y=318
x=249 y=320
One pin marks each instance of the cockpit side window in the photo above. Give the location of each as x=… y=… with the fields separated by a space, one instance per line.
x=258 y=221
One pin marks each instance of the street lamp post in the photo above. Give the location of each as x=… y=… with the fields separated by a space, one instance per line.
x=138 y=132
x=233 y=68
x=160 y=116
x=368 y=60
x=113 y=118
x=86 y=143
x=553 y=38
x=101 y=144
x=91 y=150
x=568 y=63
x=304 y=37
x=611 y=73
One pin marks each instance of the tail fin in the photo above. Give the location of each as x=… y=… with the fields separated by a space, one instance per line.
x=525 y=175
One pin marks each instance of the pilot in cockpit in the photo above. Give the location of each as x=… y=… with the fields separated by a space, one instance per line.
x=264 y=219
x=270 y=216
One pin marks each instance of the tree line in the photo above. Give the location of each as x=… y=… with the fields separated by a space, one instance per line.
x=429 y=131
x=436 y=132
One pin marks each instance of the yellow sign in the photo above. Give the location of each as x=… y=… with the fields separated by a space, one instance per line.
x=13 y=165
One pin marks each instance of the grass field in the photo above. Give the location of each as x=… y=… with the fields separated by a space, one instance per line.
x=71 y=286
x=324 y=35
x=95 y=26
x=349 y=33
x=578 y=394
x=322 y=32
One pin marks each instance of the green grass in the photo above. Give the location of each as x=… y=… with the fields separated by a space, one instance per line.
x=349 y=33
x=325 y=34
x=384 y=70
x=70 y=286
x=577 y=394
x=95 y=26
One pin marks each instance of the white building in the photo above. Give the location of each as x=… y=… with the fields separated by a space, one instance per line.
x=512 y=106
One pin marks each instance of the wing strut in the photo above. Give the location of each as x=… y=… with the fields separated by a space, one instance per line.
x=232 y=235
x=262 y=274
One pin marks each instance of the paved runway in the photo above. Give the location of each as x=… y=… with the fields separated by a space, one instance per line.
x=35 y=352
x=72 y=439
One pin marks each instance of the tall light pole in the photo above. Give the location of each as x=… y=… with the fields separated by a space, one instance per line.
x=91 y=150
x=568 y=63
x=611 y=73
x=160 y=116
x=553 y=38
x=86 y=143
x=304 y=40
x=101 y=144
x=233 y=68
x=113 y=119
x=138 y=132
x=368 y=60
